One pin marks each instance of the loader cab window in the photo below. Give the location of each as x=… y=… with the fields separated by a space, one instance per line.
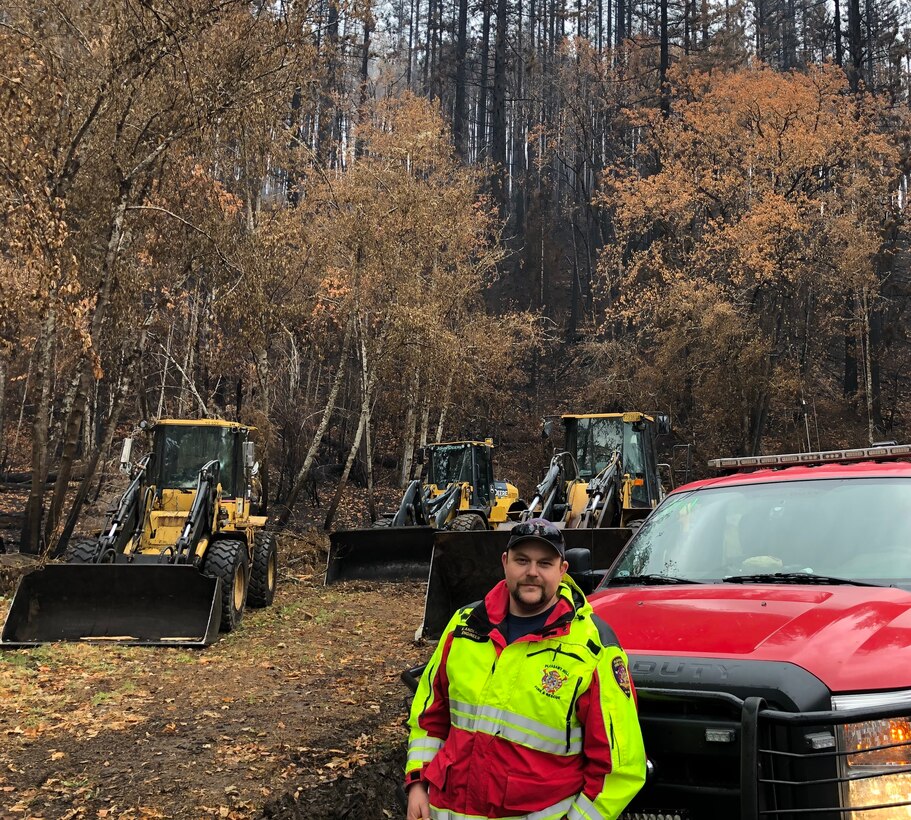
x=593 y=442
x=181 y=452
x=449 y=464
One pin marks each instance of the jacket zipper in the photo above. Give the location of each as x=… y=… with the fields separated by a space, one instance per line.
x=569 y=713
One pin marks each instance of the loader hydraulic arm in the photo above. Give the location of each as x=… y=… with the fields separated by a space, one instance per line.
x=413 y=507
x=603 y=496
x=200 y=516
x=126 y=518
x=440 y=509
x=546 y=493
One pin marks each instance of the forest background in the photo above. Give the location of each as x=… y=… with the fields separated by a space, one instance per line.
x=363 y=226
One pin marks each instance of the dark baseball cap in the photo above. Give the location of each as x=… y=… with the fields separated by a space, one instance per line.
x=538 y=529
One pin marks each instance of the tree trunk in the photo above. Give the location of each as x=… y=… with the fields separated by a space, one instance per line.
x=285 y=515
x=444 y=405
x=460 y=115
x=855 y=45
x=499 y=109
x=850 y=383
x=481 y=139
x=839 y=49
x=31 y=528
x=411 y=419
x=367 y=383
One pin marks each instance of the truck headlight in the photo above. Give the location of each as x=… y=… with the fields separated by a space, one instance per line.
x=877 y=751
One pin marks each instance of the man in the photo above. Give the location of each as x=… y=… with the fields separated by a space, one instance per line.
x=526 y=708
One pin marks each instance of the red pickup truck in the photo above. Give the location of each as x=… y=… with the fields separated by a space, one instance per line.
x=767 y=618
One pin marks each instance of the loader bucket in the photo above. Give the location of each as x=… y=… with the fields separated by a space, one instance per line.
x=380 y=554
x=466 y=565
x=139 y=604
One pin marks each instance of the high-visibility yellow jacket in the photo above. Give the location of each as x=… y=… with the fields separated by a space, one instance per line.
x=539 y=729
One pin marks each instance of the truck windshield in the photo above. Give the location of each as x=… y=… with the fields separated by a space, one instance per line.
x=855 y=529
x=450 y=464
x=183 y=450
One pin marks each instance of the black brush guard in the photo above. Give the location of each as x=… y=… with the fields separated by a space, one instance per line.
x=792 y=766
x=140 y=604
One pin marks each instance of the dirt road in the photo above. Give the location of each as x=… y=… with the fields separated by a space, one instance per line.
x=299 y=714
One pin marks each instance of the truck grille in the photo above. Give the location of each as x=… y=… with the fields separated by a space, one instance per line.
x=692 y=739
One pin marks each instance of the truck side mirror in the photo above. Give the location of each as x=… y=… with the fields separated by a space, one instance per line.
x=249 y=449
x=126 y=466
x=663 y=420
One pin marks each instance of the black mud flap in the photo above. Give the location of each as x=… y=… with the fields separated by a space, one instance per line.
x=466 y=565
x=381 y=554
x=138 y=604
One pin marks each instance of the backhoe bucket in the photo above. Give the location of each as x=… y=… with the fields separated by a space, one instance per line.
x=380 y=554
x=140 y=604
x=466 y=565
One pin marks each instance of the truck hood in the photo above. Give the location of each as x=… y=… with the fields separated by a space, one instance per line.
x=851 y=638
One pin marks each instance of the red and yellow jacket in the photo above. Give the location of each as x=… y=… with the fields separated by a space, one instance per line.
x=541 y=729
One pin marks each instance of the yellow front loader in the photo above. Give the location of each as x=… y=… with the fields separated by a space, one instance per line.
x=459 y=494
x=181 y=555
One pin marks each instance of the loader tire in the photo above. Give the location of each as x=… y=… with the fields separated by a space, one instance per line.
x=82 y=551
x=467 y=522
x=227 y=559
x=264 y=574
x=381 y=523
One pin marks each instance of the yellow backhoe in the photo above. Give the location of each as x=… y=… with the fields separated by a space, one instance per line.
x=181 y=555
x=458 y=494
x=598 y=486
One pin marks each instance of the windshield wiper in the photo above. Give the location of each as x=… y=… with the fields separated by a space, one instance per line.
x=794 y=578
x=650 y=579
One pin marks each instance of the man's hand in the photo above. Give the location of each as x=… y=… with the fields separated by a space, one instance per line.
x=418 y=803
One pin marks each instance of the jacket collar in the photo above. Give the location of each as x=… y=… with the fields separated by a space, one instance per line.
x=492 y=611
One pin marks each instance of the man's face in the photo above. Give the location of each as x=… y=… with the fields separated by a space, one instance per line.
x=533 y=572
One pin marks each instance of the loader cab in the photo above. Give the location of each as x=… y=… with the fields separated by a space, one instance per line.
x=593 y=439
x=462 y=462
x=181 y=450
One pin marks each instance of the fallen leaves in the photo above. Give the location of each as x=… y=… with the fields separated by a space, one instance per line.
x=139 y=734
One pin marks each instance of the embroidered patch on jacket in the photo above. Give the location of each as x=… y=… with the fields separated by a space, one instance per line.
x=621 y=675
x=552 y=679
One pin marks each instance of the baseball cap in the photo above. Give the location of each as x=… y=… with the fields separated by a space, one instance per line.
x=538 y=529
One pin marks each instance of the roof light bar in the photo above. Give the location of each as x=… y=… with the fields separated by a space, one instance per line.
x=895 y=451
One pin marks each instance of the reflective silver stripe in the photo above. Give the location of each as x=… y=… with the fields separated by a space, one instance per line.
x=424 y=749
x=421 y=755
x=504 y=716
x=426 y=743
x=584 y=809
x=554 y=812
x=514 y=735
